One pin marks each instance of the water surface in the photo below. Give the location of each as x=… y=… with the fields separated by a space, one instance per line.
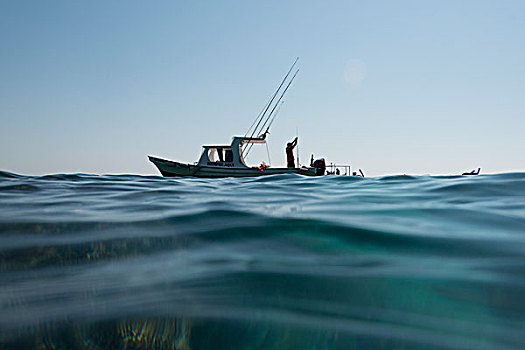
x=277 y=262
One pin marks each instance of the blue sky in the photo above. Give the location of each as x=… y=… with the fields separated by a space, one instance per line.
x=392 y=87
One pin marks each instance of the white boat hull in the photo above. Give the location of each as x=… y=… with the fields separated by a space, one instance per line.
x=171 y=169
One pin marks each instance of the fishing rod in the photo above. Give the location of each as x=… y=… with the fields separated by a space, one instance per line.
x=273 y=110
x=260 y=117
x=297 y=149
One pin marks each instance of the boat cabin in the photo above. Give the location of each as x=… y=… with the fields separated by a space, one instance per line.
x=227 y=156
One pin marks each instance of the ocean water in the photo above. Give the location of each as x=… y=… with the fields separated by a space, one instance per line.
x=276 y=262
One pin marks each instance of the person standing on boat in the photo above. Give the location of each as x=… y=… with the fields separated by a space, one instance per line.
x=289 y=153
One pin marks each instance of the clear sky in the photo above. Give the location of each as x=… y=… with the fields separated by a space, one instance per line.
x=391 y=87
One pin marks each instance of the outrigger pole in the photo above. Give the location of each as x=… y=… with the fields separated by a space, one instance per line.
x=278 y=101
x=272 y=111
x=262 y=114
x=260 y=117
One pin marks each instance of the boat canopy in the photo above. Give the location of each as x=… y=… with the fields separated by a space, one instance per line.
x=227 y=156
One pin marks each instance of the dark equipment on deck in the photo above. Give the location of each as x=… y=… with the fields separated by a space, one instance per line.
x=320 y=166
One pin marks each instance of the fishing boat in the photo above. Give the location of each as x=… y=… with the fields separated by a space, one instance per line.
x=226 y=161
x=229 y=160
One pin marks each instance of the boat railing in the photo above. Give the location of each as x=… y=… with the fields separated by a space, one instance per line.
x=334 y=169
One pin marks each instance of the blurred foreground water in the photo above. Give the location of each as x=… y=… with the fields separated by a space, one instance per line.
x=277 y=262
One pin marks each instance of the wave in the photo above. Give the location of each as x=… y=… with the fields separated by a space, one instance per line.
x=41 y=244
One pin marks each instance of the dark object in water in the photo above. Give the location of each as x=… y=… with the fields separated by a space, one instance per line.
x=473 y=172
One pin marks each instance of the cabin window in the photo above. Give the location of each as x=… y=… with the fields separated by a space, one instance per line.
x=228 y=155
x=219 y=154
x=211 y=154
